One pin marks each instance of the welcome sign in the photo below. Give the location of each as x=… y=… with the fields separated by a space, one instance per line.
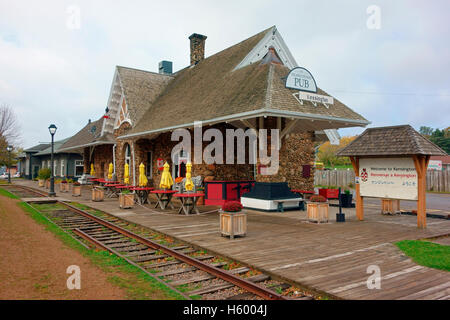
x=392 y=178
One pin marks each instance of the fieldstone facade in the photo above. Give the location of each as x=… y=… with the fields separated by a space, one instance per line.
x=101 y=157
x=197 y=48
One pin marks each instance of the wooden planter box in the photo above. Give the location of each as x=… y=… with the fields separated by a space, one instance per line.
x=126 y=201
x=233 y=223
x=329 y=193
x=47 y=184
x=76 y=191
x=63 y=187
x=98 y=194
x=318 y=212
x=390 y=206
x=41 y=182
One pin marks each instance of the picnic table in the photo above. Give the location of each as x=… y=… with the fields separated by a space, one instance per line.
x=142 y=194
x=164 y=198
x=188 y=202
x=111 y=189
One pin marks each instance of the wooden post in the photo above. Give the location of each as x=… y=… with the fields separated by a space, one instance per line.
x=421 y=164
x=359 y=199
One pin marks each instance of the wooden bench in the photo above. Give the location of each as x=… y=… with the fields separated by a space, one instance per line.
x=280 y=203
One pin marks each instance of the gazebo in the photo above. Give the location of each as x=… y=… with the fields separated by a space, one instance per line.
x=391 y=162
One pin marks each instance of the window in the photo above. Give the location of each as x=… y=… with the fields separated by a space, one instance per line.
x=127 y=154
x=63 y=168
x=48 y=164
x=55 y=167
x=43 y=164
x=148 y=169
x=79 y=168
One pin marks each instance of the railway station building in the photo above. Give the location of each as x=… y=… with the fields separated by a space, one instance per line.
x=241 y=87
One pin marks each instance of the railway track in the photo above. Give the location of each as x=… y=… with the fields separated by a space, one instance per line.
x=192 y=272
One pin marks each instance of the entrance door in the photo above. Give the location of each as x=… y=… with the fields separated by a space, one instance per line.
x=179 y=164
x=35 y=172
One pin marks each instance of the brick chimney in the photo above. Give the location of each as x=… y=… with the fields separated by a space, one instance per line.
x=197 y=48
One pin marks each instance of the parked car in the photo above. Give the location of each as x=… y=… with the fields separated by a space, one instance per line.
x=4 y=176
x=17 y=175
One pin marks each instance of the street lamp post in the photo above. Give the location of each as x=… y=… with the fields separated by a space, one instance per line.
x=9 y=148
x=52 y=129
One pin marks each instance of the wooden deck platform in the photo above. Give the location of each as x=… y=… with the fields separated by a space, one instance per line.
x=331 y=258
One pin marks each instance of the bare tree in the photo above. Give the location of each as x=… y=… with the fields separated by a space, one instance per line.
x=9 y=126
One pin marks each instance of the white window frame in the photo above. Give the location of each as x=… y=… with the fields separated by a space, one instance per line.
x=77 y=163
x=63 y=167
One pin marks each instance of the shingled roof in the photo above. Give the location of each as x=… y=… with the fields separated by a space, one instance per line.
x=56 y=148
x=396 y=140
x=214 y=90
x=141 y=89
x=89 y=135
x=37 y=148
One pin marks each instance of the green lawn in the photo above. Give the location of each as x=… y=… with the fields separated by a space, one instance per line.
x=427 y=253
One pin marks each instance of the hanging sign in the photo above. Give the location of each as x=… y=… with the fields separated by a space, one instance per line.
x=160 y=164
x=392 y=178
x=301 y=79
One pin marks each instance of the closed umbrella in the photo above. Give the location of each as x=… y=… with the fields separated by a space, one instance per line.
x=110 y=171
x=126 y=174
x=188 y=185
x=142 y=178
x=92 y=173
x=166 y=178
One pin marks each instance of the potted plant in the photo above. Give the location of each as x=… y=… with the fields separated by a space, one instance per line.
x=98 y=194
x=43 y=174
x=63 y=186
x=346 y=199
x=76 y=189
x=126 y=199
x=233 y=221
x=317 y=209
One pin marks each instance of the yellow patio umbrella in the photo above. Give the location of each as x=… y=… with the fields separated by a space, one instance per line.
x=126 y=174
x=92 y=173
x=188 y=185
x=110 y=171
x=166 y=178
x=142 y=178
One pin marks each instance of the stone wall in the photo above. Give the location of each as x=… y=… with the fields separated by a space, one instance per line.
x=101 y=157
x=120 y=151
x=197 y=43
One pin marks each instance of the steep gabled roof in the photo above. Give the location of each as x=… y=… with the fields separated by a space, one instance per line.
x=396 y=140
x=141 y=89
x=90 y=134
x=215 y=90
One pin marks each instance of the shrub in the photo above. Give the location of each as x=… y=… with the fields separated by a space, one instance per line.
x=63 y=181
x=126 y=191
x=347 y=191
x=232 y=206
x=76 y=184
x=44 y=173
x=317 y=198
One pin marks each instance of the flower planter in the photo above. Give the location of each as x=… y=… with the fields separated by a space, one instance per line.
x=233 y=223
x=390 y=206
x=329 y=193
x=346 y=200
x=41 y=182
x=76 y=191
x=126 y=201
x=98 y=194
x=63 y=187
x=47 y=184
x=318 y=212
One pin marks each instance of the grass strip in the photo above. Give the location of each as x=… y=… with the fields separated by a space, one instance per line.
x=427 y=253
x=8 y=194
x=138 y=284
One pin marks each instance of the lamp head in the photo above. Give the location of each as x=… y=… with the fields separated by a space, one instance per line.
x=52 y=129
x=9 y=148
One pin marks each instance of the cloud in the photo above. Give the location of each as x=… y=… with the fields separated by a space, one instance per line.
x=51 y=73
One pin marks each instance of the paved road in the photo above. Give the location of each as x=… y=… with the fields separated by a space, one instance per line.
x=435 y=201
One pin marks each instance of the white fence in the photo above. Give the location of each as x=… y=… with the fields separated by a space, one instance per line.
x=436 y=180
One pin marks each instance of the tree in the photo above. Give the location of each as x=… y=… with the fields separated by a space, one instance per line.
x=439 y=137
x=9 y=133
x=327 y=153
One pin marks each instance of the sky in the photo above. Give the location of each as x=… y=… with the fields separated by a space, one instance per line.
x=390 y=63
